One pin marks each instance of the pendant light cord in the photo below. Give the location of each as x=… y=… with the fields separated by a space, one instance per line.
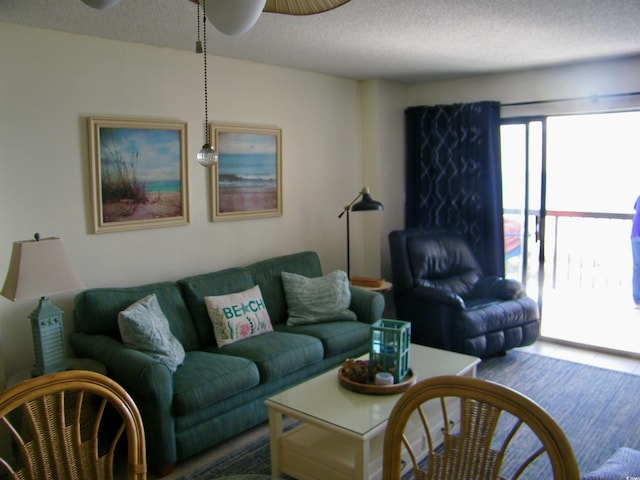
x=198 y=42
x=204 y=52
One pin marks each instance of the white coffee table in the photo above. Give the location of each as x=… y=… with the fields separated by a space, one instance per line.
x=341 y=432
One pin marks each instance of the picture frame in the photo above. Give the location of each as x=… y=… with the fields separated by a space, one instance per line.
x=247 y=180
x=139 y=174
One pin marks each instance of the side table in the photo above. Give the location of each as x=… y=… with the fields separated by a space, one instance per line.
x=74 y=364
x=384 y=287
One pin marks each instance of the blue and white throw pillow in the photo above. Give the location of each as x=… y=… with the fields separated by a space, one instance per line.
x=145 y=328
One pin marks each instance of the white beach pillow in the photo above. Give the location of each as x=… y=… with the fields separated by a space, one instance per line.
x=238 y=316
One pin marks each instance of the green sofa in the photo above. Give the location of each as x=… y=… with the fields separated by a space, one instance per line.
x=217 y=392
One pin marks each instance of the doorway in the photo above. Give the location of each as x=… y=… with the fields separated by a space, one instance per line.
x=569 y=185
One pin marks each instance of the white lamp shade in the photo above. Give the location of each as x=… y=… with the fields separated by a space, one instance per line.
x=100 y=4
x=38 y=269
x=234 y=17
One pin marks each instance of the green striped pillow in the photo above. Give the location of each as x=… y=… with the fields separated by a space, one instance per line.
x=316 y=300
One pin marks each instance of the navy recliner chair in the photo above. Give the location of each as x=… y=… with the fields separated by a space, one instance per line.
x=439 y=287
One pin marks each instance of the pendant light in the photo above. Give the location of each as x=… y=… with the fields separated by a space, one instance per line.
x=234 y=17
x=101 y=4
x=207 y=156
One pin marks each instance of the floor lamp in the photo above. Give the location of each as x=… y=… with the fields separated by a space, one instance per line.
x=39 y=268
x=367 y=203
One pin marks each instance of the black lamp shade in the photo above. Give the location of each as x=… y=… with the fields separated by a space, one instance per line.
x=367 y=203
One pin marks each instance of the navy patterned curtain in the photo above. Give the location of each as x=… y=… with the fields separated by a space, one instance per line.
x=453 y=175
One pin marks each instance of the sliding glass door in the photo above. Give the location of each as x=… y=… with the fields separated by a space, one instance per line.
x=569 y=185
x=523 y=195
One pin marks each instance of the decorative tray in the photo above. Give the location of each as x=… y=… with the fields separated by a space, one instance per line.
x=373 y=389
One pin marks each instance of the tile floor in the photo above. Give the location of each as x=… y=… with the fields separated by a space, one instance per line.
x=594 y=357
x=604 y=318
x=565 y=352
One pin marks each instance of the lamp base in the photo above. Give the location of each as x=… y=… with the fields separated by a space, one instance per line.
x=48 y=339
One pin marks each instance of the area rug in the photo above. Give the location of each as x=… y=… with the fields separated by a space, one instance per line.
x=598 y=410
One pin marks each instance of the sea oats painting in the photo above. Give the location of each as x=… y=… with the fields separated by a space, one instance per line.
x=248 y=177
x=138 y=171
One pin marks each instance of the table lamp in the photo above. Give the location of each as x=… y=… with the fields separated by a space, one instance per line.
x=39 y=268
x=367 y=203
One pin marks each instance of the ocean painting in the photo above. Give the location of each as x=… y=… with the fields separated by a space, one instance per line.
x=140 y=173
x=247 y=170
x=138 y=170
x=248 y=173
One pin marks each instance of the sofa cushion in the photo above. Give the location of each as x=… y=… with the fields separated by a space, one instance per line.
x=144 y=327
x=197 y=287
x=238 y=316
x=96 y=310
x=206 y=378
x=276 y=353
x=336 y=337
x=317 y=300
x=267 y=274
x=484 y=316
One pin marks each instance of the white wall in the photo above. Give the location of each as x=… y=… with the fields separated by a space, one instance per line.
x=382 y=105
x=580 y=80
x=51 y=82
x=337 y=136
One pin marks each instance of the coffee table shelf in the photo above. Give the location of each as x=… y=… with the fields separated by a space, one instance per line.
x=333 y=455
x=341 y=432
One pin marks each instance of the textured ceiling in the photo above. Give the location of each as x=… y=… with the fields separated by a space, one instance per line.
x=403 y=40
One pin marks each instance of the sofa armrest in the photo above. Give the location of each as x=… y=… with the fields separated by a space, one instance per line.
x=148 y=381
x=368 y=305
x=125 y=365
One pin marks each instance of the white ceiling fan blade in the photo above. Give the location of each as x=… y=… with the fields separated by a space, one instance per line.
x=302 y=7
x=234 y=17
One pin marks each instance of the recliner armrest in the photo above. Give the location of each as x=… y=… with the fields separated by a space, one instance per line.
x=438 y=295
x=497 y=287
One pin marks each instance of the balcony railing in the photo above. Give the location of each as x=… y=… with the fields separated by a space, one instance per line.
x=587 y=280
x=582 y=250
x=588 y=249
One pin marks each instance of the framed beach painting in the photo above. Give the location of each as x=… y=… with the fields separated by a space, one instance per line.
x=138 y=174
x=247 y=181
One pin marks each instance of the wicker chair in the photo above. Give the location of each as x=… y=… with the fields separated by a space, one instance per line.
x=67 y=425
x=474 y=430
